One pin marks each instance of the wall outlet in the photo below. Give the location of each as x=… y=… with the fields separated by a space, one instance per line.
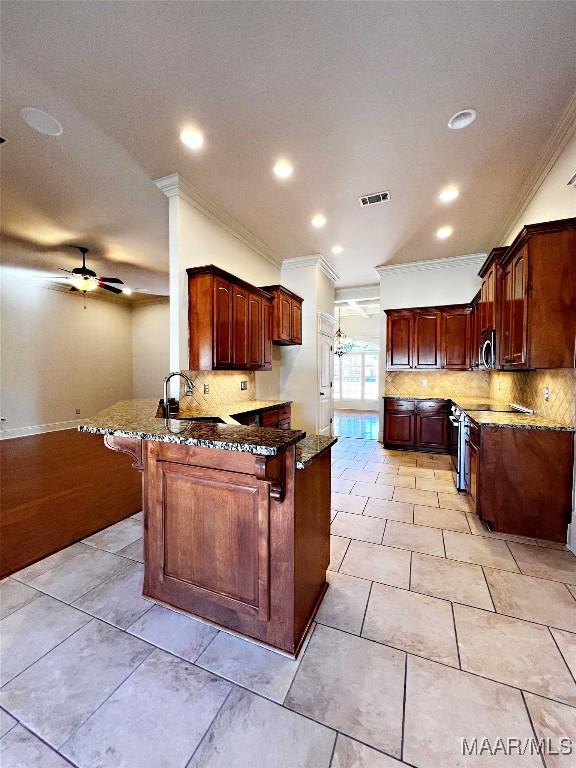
x=206 y=389
x=77 y=411
x=243 y=385
x=546 y=393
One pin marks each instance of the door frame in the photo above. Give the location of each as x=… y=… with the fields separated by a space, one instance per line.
x=326 y=325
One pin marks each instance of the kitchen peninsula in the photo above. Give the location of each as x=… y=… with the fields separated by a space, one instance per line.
x=236 y=518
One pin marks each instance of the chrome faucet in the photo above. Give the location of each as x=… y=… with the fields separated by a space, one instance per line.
x=188 y=391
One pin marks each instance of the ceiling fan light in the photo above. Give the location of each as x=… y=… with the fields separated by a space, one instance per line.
x=82 y=283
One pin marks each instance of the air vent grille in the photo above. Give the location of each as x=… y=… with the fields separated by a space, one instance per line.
x=374 y=198
x=572 y=182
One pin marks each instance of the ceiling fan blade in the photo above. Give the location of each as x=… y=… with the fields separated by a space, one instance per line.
x=52 y=277
x=110 y=288
x=65 y=270
x=111 y=280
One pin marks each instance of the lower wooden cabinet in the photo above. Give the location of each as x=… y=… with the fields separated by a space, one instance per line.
x=504 y=470
x=416 y=424
x=278 y=418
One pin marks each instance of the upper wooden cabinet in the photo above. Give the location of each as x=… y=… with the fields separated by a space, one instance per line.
x=230 y=322
x=427 y=328
x=490 y=293
x=475 y=332
x=456 y=338
x=537 y=327
x=428 y=339
x=400 y=339
x=286 y=315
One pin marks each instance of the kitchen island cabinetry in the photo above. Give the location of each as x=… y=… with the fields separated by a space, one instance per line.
x=236 y=519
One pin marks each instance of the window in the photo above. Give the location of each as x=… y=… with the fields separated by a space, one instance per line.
x=356 y=374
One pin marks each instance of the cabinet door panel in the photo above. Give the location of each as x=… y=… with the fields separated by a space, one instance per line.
x=431 y=431
x=400 y=327
x=222 y=324
x=519 y=306
x=427 y=340
x=214 y=528
x=506 y=317
x=456 y=339
x=266 y=333
x=285 y=318
x=399 y=429
x=241 y=328
x=296 y=322
x=255 y=341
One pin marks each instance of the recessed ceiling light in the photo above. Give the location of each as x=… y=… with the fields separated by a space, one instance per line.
x=444 y=232
x=318 y=221
x=127 y=291
x=192 y=138
x=336 y=249
x=462 y=119
x=41 y=121
x=283 y=169
x=448 y=194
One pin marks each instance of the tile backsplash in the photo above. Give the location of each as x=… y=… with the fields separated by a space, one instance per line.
x=438 y=383
x=224 y=388
x=527 y=388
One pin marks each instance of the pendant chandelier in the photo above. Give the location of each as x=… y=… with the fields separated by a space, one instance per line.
x=341 y=344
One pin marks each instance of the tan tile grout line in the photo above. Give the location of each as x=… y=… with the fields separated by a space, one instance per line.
x=522 y=694
x=560 y=651
x=445 y=599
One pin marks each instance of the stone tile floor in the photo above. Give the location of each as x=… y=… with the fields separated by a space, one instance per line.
x=433 y=630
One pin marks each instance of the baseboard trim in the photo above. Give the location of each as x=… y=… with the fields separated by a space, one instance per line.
x=37 y=429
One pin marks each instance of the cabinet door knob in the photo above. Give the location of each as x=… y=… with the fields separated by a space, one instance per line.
x=322 y=393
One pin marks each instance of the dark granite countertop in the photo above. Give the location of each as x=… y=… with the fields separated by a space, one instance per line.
x=136 y=418
x=308 y=449
x=515 y=421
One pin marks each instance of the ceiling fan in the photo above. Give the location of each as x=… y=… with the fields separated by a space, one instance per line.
x=84 y=279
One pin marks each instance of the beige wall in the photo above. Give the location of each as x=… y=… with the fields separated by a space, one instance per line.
x=299 y=371
x=58 y=356
x=445 y=384
x=554 y=199
x=150 y=348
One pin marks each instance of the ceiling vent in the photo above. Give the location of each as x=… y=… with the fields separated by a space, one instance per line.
x=374 y=198
x=572 y=182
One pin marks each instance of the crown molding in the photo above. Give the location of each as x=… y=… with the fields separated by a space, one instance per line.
x=358 y=293
x=314 y=260
x=451 y=262
x=561 y=135
x=175 y=185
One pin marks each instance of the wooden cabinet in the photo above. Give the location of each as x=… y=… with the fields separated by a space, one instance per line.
x=429 y=339
x=529 y=297
x=230 y=322
x=431 y=425
x=399 y=339
x=456 y=338
x=475 y=332
x=286 y=315
x=504 y=470
x=279 y=418
x=416 y=424
x=514 y=323
x=490 y=291
x=427 y=326
x=223 y=330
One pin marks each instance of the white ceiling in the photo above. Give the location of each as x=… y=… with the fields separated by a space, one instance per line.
x=357 y=95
